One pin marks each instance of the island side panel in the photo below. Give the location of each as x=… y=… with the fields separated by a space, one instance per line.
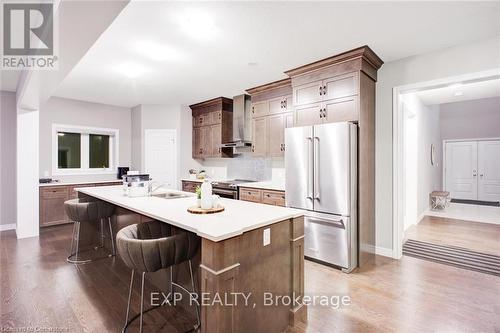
x=243 y=264
x=298 y=313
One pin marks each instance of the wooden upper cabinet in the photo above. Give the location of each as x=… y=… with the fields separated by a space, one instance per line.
x=197 y=142
x=212 y=126
x=308 y=115
x=260 y=109
x=216 y=136
x=307 y=93
x=276 y=127
x=200 y=120
x=340 y=86
x=341 y=109
x=271 y=115
x=207 y=149
x=276 y=135
x=260 y=137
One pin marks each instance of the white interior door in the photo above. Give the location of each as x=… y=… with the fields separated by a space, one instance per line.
x=160 y=154
x=461 y=169
x=489 y=170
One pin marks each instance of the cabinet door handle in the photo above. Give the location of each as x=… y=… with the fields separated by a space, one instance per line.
x=320 y=113
x=324 y=90
x=284 y=104
x=253 y=109
x=321 y=90
x=324 y=112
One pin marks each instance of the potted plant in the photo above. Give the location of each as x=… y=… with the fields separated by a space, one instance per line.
x=198 y=196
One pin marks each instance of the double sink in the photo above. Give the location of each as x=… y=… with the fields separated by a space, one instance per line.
x=170 y=195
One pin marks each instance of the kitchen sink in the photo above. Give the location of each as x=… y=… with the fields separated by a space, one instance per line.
x=170 y=195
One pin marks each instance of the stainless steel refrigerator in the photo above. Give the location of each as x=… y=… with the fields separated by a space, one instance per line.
x=321 y=177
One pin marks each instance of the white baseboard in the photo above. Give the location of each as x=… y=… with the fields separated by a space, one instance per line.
x=5 y=227
x=424 y=214
x=378 y=250
x=383 y=251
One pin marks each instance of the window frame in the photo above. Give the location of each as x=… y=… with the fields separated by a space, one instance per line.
x=85 y=131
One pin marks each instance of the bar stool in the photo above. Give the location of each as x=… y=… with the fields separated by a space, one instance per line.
x=151 y=246
x=88 y=210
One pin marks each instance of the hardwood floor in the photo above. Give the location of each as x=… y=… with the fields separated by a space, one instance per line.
x=39 y=289
x=475 y=236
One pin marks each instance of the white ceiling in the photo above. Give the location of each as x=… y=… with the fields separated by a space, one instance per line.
x=460 y=92
x=158 y=53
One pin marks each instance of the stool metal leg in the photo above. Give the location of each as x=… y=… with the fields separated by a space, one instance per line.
x=129 y=298
x=101 y=235
x=171 y=291
x=142 y=300
x=113 y=253
x=72 y=240
x=194 y=291
x=76 y=239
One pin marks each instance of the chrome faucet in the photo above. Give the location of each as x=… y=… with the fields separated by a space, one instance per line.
x=152 y=189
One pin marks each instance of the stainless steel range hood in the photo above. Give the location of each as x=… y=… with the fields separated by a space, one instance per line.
x=242 y=124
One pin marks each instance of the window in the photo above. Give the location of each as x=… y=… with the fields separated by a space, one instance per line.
x=84 y=150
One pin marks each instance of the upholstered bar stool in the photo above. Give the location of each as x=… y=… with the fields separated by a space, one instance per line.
x=88 y=210
x=152 y=246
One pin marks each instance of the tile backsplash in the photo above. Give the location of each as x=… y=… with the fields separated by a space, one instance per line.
x=250 y=168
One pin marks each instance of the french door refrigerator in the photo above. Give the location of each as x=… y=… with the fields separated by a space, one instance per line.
x=321 y=177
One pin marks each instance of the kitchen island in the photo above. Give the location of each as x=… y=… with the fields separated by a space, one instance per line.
x=248 y=249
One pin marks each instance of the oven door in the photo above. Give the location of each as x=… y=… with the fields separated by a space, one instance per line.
x=223 y=193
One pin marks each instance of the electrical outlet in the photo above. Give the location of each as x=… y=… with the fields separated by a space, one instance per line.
x=267 y=237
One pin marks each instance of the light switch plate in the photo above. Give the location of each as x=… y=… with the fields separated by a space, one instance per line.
x=267 y=237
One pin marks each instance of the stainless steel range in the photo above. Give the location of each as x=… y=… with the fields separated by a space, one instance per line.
x=228 y=188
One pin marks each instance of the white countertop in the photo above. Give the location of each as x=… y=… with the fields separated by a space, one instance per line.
x=234 y=221
x=266 y=185
x=79 y=183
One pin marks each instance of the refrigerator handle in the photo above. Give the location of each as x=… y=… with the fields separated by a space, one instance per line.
x=310 y=194
x=316 y=170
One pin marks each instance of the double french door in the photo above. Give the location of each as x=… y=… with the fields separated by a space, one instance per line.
x=472 y=170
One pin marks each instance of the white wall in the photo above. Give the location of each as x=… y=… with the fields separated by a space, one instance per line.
x=72 y=112
x=163 y=117
x=474 y=57
x=8 y=115
x=429 y=177
x=471 y=119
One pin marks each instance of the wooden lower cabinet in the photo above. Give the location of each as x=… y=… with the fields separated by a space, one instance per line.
x=190 y=186
x=269 y=197
x=52 y=200
x=275 y=198
x=52 y=205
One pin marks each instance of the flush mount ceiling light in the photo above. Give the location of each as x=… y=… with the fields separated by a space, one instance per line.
x=458 y=93
x=157 y=51
x=197 y=24
x=131 y=70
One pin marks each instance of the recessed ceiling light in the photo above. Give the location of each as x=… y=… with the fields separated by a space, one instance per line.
x=197 y=24
x=131 y=70
x=253 y=63
x=458 y=93
x=157 y=51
